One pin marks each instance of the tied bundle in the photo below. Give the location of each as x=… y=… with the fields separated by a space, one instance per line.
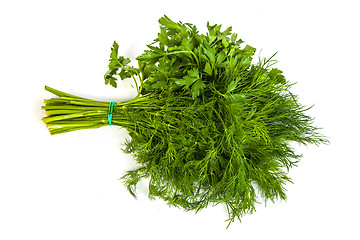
x=208 y=126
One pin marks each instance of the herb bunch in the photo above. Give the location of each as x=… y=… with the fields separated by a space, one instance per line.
x=208 y=126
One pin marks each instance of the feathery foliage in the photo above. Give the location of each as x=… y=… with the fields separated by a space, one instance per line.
x=208 y=125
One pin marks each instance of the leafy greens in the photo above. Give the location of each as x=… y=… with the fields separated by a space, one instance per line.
x=207 y=126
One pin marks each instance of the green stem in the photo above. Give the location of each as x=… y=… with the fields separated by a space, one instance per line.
x=60 y=93
x=132 y=76
x=186 y=51
x=73 y=115
x=69 y=112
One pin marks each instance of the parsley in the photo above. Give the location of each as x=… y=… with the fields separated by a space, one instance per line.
x=208 y=126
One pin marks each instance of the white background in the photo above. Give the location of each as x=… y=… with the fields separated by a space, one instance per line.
x=67 y=187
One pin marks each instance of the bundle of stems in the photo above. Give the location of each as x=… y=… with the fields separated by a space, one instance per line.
x=69 y=112
x=207 y=126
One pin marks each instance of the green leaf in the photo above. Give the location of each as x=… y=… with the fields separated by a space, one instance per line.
x=193 y=73
x=186 y=43
x=183 y=32
x=233 y=84
x=197 y=88
x=249 y=51
x=225 y=42
x=235 y=98
x=124 y=74
x=238 y=42
x=210 y=54
x=125 y=61
x=163 y=37
x=233 y=37
x=167 y=22
x=186 y=81
x=220 y=58
x=214 y=30
x=114 y=50
x=277 y=76
x=231 y=87
x=160 y=85
x=212 y=38
x=156 y=49
x=113 y=64
x=227 y=31
x=208 y=69
x=149 y=56
x=110 y=72
x=111 y=80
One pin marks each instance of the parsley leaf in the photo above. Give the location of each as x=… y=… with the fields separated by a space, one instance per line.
x=197 y=88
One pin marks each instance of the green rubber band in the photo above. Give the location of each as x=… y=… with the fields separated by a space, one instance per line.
x=110 y=112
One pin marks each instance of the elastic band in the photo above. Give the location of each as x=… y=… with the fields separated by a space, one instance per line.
x=110 y=112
